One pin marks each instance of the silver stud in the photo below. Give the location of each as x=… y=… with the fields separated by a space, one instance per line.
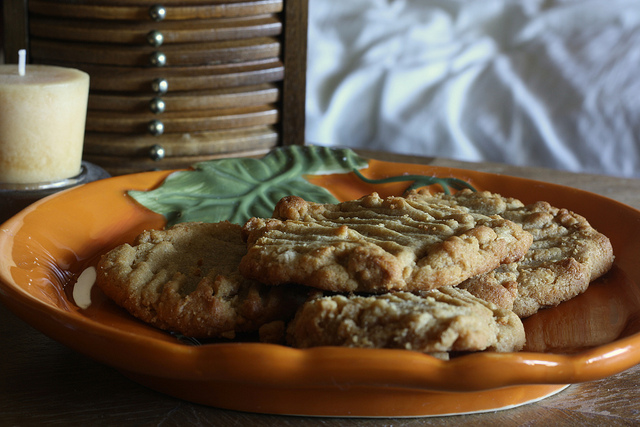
x=156 y=152
x=155 y=38
x=155 y=127
x=157 y=12
x=157 y=105
x=158 y=59
x=160 y=86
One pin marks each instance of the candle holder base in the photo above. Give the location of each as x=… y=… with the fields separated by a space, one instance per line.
x=15 y=197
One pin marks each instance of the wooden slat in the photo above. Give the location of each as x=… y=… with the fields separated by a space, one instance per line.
x=181 y=144
x=201 y=30
x=192 y=121
x=120 y=166
x=244 y=96
x=148 y=3
x=139 y=56
x=176 y=11
x=292 y=121
x=134 y=79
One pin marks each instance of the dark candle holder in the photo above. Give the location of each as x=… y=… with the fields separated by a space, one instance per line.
x=15 y=197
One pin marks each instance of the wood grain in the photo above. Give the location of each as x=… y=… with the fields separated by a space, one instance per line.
x=189 y=121
x=232 y=97
x=175 y=10
x=118 y=165
x=133 y=79
x=292 y=124
x=210 y=143
x=177 y=55
x=202 y=30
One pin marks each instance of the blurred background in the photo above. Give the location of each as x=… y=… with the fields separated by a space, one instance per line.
x=550 y=83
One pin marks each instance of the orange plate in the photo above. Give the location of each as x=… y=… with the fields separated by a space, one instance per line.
x=45 y=247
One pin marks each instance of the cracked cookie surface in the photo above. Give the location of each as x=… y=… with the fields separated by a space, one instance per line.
x=437 y=321
x=185 y=279
x=377 y=245
x=566 y=255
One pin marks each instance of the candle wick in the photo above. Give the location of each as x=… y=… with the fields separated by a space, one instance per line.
x=22 y=60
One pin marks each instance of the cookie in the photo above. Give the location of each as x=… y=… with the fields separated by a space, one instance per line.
x=566 y=255
x=446 y=319
x=185 y=279
x=376 y=245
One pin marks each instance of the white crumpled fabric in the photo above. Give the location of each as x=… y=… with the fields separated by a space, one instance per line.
x=551 y=83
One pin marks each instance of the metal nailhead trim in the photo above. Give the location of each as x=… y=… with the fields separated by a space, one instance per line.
x=156 y=127
x=158 y=59
x=160 y=86
x=155 y=38
x=157 y=12
x=157 y=105
x=156 y=152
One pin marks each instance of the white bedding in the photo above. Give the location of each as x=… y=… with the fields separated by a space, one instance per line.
x=553 y=83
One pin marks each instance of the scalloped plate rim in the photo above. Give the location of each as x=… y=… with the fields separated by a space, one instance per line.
x=608 y=359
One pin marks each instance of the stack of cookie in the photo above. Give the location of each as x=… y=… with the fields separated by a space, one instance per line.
x=434 y=273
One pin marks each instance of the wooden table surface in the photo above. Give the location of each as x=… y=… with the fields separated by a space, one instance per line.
x=43 y=382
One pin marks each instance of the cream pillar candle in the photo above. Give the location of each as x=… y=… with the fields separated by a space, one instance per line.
x=42 y=121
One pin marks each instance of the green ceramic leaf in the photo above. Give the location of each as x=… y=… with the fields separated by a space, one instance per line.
x=421 y=181
x=239 y=188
